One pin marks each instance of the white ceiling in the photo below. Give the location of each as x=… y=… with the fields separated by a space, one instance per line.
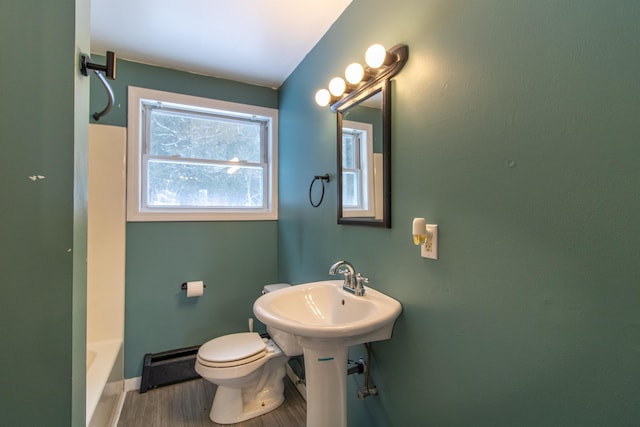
x=253 y=41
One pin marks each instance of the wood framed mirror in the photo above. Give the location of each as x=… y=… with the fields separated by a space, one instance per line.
x=364 y=159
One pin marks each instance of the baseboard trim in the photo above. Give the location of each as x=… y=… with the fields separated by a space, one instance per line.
x=132 y=384
x=118 y=409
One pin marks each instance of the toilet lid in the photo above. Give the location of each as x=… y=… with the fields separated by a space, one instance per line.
x=233 y=349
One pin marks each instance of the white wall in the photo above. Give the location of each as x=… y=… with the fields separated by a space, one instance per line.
x=106 y=233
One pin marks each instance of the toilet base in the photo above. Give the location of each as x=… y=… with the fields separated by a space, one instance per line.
x=228 y=406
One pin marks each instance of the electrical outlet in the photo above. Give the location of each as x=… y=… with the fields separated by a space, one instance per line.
x=430 y=247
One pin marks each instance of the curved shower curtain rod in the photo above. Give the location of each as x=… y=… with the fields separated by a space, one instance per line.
x=109 y=70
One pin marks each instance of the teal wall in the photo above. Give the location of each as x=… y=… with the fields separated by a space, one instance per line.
x=515 y=128
x=42 y=222
x=235 y=259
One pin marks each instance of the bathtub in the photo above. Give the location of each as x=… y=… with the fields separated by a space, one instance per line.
x=105 y=382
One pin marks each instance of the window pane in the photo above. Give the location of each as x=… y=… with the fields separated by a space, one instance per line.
x=204 y=137
x=350 y=190
x=200 y=185
x=348 y=151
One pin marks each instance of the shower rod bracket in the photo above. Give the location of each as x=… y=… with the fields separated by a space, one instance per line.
x=110 y=71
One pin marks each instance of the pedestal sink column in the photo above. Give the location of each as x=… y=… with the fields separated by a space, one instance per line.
x=324 y=320
x=326 y=374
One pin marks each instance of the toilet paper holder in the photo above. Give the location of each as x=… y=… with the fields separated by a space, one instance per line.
x=184 y=286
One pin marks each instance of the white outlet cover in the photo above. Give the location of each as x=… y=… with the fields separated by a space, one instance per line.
x=433 y=253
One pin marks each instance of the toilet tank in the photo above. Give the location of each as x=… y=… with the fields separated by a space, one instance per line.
x=287 y=342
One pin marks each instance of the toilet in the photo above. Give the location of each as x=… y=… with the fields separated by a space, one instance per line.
x=248 y=371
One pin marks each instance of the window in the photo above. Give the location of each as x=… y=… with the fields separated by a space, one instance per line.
x=197 y=159
x=357 y=170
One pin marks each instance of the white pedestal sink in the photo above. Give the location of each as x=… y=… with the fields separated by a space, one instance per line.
x=326 y=320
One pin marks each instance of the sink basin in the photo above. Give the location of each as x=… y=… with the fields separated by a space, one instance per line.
x=324 y=311
x=325 y=320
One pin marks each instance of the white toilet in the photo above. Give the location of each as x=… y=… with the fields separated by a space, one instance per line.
x=248 y=370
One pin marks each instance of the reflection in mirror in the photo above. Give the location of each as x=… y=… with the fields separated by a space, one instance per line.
x=361 y=148
x=363 y=161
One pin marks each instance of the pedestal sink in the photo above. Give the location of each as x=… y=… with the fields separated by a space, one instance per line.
x=325 y=320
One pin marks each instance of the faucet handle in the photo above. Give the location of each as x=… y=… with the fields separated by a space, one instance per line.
x=360 y=281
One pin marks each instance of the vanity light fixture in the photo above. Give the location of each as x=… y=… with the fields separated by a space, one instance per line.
x=354 y=73
x=426 y=236
x=337 y=86
x=360 y=81
x=323 y=97
x=377 y=56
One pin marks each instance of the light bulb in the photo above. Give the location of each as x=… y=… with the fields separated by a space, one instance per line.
x=376 y=56
x=323 y=97
x=419 y=231
x=337 y=86
x=354 y=73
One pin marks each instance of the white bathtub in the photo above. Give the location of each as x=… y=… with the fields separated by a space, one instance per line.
x=104 y=381
x=105 y=273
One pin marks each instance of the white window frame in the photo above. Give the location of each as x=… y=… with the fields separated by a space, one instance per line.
x=136 y=210
x=366 y=172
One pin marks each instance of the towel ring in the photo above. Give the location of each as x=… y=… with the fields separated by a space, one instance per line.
x=322 y=179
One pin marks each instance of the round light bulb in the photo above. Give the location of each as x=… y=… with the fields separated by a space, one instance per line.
x=323 y=97
x=354 y=73
x=337 y=86
x=375 y=55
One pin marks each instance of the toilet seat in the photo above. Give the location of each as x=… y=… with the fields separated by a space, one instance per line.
x=232 y=350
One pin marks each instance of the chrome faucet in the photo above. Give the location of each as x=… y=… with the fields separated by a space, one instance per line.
x=352 y=282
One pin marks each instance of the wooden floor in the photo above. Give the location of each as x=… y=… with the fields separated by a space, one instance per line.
x=188 y=404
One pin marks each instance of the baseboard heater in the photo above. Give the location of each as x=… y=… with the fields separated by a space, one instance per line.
x=168 y=367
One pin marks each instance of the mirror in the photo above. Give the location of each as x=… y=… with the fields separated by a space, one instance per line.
x=364 y=136
x=364 y=158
